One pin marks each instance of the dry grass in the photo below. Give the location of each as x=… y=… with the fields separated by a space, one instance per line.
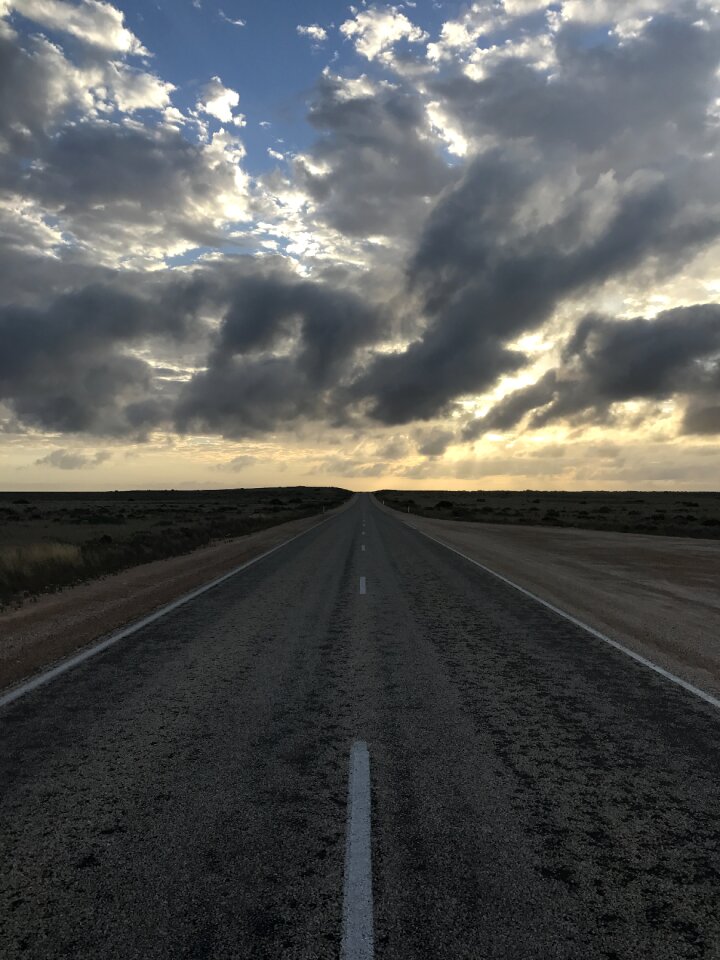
x=53 y=540
x=666 y=513
x=26 y=567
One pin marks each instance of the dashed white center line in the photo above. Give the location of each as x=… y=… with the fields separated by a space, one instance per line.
x=363 y=548
x=358 y=939
x=363 y=588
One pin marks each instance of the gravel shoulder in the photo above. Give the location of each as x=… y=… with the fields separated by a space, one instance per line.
x=660 y=596
x=57 y=625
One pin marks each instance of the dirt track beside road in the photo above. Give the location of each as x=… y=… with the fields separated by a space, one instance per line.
x=660 y=596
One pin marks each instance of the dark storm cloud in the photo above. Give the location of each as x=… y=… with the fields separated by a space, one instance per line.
x=281 y=351
x=609 y=361
x=69 y=368
x=110 y=164
x=572 y=180
x=380 y=161
x=512 y=408
x=25 y=105
x=434 y=442
x=703 y=418
x=487 y=272
x=481 y=290
x=283 y=347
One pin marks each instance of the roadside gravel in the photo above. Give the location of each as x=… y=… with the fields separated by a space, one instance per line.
x=660 y=596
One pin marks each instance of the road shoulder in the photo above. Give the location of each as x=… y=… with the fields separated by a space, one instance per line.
x=57 y=625
x=658 y=596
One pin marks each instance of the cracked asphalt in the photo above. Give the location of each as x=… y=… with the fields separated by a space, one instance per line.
x=535 y=793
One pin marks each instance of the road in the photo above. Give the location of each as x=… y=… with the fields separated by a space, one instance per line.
x=534 y=793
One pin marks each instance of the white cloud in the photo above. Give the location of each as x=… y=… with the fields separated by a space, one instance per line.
x=97 y=23
x=227 y=19
x=462 y=34
x=351 y=88
x=376 y=31
x=136 y=90
x=316 y=33
x=520 y=8
x=219 y=101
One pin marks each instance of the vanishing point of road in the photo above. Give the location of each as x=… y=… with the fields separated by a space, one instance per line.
x=363 y=746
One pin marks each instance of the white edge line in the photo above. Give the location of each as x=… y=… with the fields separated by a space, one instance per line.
x=358 y=936
x=15 y=693
x=707 y=697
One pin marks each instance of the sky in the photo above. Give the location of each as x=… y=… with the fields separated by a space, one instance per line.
x=422 y=245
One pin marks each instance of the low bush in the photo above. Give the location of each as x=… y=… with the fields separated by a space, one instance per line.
x=27 y=570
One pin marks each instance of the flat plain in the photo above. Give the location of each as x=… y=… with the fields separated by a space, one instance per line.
x=663 y=513
x=54 y=540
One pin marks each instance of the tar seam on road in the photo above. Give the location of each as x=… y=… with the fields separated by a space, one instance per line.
x=363 y=585
x=707 y=697
x=48 y=675
x=358 y=939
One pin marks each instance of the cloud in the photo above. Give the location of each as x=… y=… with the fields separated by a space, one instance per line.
x=283 y=349
x=527 y=174
x=537 y=218
x=95 y=23
x=116 y=186
x=597 y=95
x=434 y=442
x=376 y=31
x=70 y=367
x=134 y=89
x=219 y=101
x=241 y=462
x=230 y=20
x=375 y=166
x=314 y=31
x=67 y=460
x=608 y=362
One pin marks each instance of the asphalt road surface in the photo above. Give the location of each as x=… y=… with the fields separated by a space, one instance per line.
x=534 y=793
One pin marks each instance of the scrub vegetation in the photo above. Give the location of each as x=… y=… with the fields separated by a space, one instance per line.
x=53 y=540
x=673 y=514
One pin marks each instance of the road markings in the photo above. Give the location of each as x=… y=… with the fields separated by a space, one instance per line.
x=73 y=661
x=691 y=688
x=363 y=548
x=358 y=939
x=363 y=587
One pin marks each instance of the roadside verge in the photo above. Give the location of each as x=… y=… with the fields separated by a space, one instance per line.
x=656 y=596
x=59 y=625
